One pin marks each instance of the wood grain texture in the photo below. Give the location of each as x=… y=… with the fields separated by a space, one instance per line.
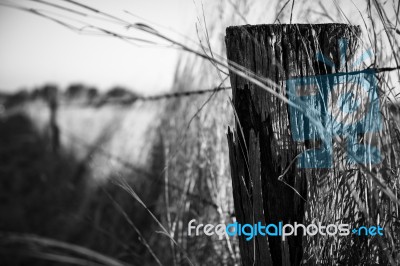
x=265 y=149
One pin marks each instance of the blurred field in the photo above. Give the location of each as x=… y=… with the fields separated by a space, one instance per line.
x=69 y=195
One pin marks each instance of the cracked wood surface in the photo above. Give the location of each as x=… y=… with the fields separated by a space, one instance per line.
x=276 y=52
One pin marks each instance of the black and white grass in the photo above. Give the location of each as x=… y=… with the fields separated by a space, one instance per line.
x=94 y=177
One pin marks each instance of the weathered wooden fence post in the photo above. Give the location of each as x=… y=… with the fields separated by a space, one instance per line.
x=262 y=146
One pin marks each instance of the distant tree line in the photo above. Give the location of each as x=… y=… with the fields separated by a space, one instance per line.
x=75 y=93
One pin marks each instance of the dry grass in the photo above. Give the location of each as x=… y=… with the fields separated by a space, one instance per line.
x=187 y=136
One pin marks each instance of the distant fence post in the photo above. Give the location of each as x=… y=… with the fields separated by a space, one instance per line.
x=262 y=146
x=51 y=95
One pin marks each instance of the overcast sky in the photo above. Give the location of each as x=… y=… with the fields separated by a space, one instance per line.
x=35 y=50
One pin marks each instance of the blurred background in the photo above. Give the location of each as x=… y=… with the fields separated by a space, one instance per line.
x=113 y=120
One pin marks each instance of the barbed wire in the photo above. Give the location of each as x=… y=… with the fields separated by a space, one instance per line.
x=85 y=97
x=128 y=100
x=182 y=94
x=90 y=97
